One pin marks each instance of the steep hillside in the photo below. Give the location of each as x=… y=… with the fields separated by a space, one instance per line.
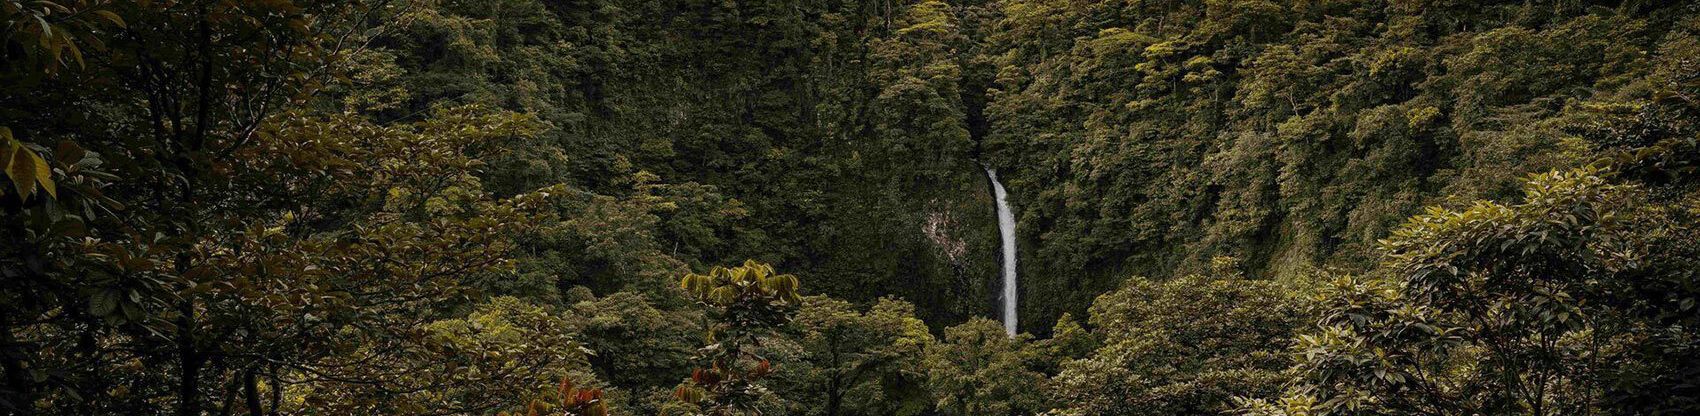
x=1147 y=137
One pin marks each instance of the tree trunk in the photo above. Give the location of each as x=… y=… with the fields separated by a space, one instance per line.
x=277 y=390
x=834 y=400
x=251 y=391
x=16 y=367
x=189 y=388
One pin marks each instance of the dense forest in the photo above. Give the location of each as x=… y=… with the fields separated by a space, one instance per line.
x=783 y=207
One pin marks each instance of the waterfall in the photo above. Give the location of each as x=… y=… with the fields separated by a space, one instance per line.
x=1006 y=230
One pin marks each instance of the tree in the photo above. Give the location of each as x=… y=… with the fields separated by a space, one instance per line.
x=1183 y=346
x=503 y=351
x=1536 y=307
x=36 y=40
x=1147 y=138
x=854 y=362
x=640 y=348
x=570 y=401
x=978 y=369
x=746 y=303
x=117 y=261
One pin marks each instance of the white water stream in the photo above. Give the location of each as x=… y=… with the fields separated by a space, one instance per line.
x=1006 y=229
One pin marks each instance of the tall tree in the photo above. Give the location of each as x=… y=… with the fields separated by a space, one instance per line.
x=1533 y=308
x=1183 y=346
x=854 y=362
x=747 y=303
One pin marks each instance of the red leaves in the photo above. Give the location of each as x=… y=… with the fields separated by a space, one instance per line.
x=573 y=402
x=705 y=377
x=587 y=396
x=762 y=369
x=566 y=387
x=688 y=394
x=581 y=402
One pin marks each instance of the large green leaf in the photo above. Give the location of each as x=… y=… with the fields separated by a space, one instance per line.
x=103 y=303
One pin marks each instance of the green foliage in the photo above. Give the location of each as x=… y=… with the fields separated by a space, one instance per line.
x=746 y=303
x=747 y=296
x=978 y=369
x=39 y=37
x=640 y=349
x=500 y=353
x=855 y=362
x=782 y=132
x=1535 y=307
x=1184 y=346
x=446 y=207
x=1145 y=138
x=570 y=401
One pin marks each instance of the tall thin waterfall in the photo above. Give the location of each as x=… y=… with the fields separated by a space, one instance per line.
x=1006 y=229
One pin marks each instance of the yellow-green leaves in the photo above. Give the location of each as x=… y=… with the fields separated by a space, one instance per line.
x=745 y=301
x=723 y=295
x=781 y=284
x=111 y=17
x=24 y=167
x=46 y=31
x=695 y=283
x=753 y=280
